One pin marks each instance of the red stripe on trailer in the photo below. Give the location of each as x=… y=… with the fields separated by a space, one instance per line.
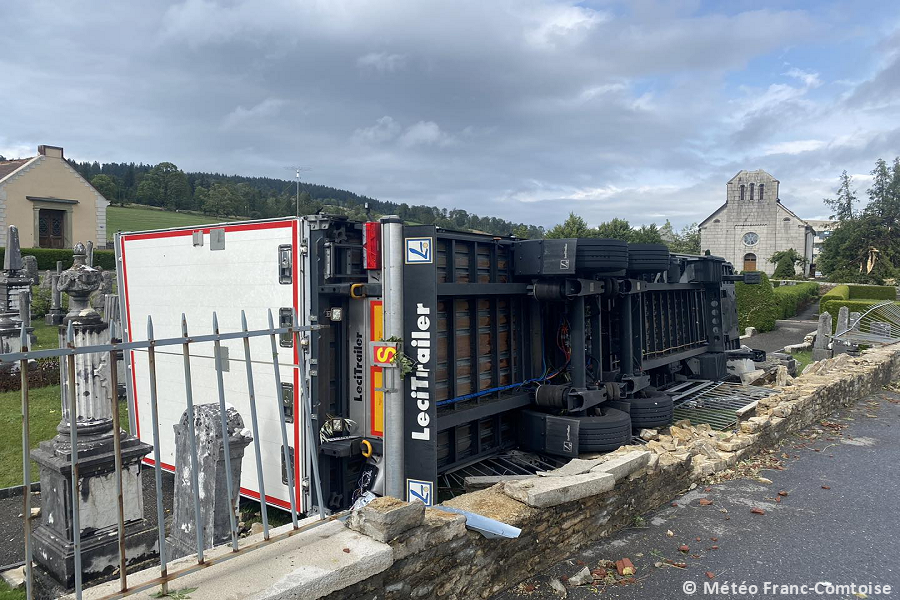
x=297 y=407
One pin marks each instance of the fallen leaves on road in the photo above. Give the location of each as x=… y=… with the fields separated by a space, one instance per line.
x=710 y=574
x=782 y=493
x=757 y=511
x=670 y=533
x=684 y=548
x=705 y=502
x=826 y=487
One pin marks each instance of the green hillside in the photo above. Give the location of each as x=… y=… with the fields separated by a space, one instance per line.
x=132 y=218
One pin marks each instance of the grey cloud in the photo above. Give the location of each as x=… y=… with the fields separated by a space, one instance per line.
x=523 y=109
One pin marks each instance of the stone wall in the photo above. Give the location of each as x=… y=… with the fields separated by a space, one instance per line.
x=394 y=550
x=439 y=558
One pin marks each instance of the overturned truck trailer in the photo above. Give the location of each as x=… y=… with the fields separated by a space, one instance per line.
x=431 y=349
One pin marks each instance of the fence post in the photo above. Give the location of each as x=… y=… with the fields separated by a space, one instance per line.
x=78 y=467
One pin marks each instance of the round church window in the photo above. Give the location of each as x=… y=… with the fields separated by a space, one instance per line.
x=751 y=238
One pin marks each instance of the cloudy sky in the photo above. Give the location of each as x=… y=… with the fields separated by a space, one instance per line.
x=523 y=109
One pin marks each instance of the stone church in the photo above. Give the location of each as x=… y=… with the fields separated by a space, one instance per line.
x=753 y=224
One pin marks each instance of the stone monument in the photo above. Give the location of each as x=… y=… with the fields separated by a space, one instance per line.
x=213 y=490
x=54 y=538
x=13 y=281
x=822 y=347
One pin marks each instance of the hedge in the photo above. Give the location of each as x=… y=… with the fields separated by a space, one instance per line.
x=757 y=305
x=857 y=298
x=47 y=257
x=872 y=292
x=792 y=297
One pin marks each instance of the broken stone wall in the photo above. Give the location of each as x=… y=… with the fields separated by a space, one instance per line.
x=439 y=558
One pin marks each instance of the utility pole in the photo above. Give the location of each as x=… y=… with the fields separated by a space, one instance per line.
x=297 y=175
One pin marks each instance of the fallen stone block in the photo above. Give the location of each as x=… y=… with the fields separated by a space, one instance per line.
x=649 y=434
x=439 y=527
x=386 y=518
x=582 y=577
x=623 y=466
x=474 y=483
x=733 y=443
x=543 y=492
x=576 y=466
x=753 y=377
x=705 y=448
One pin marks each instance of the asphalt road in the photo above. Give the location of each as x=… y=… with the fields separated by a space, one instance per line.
x=838 y=523
x=787 y=332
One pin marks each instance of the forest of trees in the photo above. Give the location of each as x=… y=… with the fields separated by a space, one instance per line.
x=166 y=186
x=686 y=241
x=865 y=246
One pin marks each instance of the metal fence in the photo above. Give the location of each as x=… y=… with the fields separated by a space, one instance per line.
x=70 y=351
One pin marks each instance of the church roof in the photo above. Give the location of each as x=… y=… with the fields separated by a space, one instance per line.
x=738 y=174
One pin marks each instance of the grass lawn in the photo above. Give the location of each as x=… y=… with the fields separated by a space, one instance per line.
x=8 y=594
x=47 y=335
x=44 y=408
x=132 y=218
x=803 y=359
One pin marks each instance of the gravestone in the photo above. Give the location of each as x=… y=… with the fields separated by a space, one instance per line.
x=13 y=281
x=821 y=349
x=31 y=269
x=213 y=490
x=841 y=345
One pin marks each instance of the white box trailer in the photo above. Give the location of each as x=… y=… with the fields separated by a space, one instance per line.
x=229 y=268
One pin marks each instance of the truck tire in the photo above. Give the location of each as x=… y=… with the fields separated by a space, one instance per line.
x=604 y=432
x=648 y=258
x=653 y=411
x=601 y=255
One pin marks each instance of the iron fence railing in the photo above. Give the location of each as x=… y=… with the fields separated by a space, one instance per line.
x=70 y=351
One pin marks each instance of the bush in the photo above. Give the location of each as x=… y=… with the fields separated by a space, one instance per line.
x=872 y=292
x=41 y=299
x=857 y=298
x=757 y=305
x=792 y=297
x=47 y=257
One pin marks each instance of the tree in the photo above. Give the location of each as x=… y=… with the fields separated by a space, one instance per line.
x=521 y=232
x=221 y=200
x=617 y=229
x=107 y=187
x=784 y=262
x=865 y=247
x=647 y=234
x=842 y=206
x=165 y=186
x=574 y=227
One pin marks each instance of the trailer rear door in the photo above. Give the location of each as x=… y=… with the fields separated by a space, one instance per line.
x=231 y=268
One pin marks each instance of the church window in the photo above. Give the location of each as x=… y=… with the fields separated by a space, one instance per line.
x=761 y=186
x=742 y=192
x=751 y=191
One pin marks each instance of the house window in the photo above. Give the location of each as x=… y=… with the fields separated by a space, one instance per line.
x=751 y=191
x=742 y=192
x=761 y=187
x=716 y=221
x=749 y=262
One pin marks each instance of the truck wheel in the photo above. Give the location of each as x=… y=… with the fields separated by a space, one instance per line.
x=653 y=411
x=601 y=255
x=604 y=432
x=648 y=258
